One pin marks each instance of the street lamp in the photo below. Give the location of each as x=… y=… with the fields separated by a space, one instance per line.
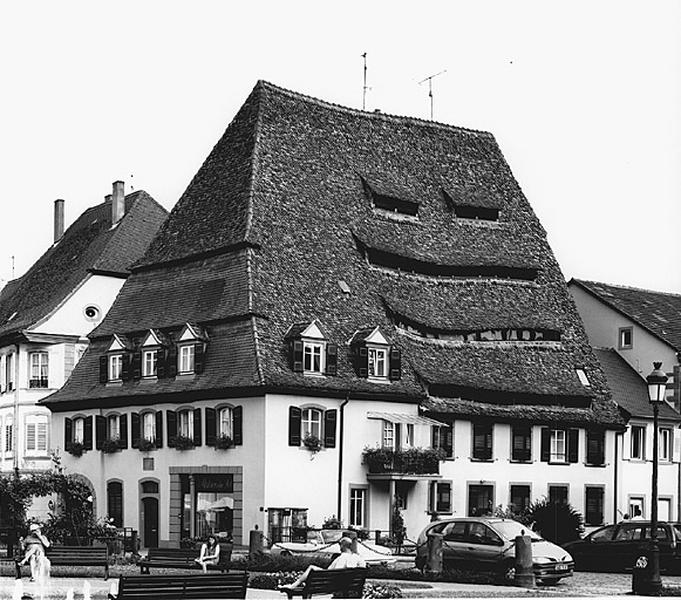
x=657 y=387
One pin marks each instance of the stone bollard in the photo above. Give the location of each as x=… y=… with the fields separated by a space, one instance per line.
x=353 y=536
x=434 y=564
x=524 y=574
x=254 y=543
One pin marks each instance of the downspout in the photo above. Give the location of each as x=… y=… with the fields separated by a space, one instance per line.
x=616 y=494
x=15 y=425
x=341 y=429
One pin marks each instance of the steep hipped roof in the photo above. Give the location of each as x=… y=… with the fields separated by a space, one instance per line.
x=288 y=198
x=89 y=245
x=658 y=312
x=628 y=388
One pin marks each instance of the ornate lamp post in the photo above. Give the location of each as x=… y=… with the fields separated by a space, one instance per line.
x=657 y=386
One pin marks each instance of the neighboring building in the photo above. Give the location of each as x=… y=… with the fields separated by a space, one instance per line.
x=644 y=326
x=633 y=476
x=334 y=272
x=46 y=314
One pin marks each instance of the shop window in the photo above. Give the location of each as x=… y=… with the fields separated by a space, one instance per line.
x=287 y=524
x=213 y=504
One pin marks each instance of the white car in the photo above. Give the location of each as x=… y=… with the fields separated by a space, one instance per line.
x=325 y=542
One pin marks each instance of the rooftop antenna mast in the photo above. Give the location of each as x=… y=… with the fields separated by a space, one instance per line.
x=12 y=266
x=430 y=89
x=364 y=87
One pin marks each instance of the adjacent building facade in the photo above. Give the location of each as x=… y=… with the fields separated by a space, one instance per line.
x=345 y=313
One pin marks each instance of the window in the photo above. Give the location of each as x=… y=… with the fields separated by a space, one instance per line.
x=442 y=438
x=595 y=448
x=583 y=379
x=558 y=494
x=482 y=441
x=388 y=440
x=3 y=382
x=307 y=421
x=36 y=434
x=638 y=442
x=409 y=435
x=114 y=502
x=187 y=358
x=377 y=362
x=312 y=357
x=312 y=422
x=79 y=430
x=358 y=507
x=594 y=505
x=520 y=497
x=9 y=371
x=441 y=497
x=39 y=370
x=479 y=533
x=226 y=423
x=185 y=424
x=626 y=338
x=558 y=446
x=113 y=431
x=115 y=367
x=664 y=444
x=521 y=443
x=9 y=430
x=149 y=363
x=149 y=427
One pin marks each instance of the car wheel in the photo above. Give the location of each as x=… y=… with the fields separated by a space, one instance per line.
x=507 y=572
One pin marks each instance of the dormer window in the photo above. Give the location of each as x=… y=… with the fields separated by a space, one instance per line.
x=377 y=362
x=115 y=367
x=375 y=357
x=149 y=363
x=186 y=354
x=190 y=351
x=312 y=357
x=309 y=351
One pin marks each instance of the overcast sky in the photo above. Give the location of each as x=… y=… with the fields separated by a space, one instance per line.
x=584 y=99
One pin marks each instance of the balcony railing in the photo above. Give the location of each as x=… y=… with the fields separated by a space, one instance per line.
x=417 y=461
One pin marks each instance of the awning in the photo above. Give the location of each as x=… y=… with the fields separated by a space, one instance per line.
x=403 y=418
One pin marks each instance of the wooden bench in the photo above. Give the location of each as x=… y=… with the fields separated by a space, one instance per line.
x=74 y=556
x=182 y=558
x=178 y=587
x=347 y=582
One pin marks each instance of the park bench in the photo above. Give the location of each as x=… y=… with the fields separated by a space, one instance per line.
x=178 y=587
x=182 y=558
x=346 y=582
x=74 y=556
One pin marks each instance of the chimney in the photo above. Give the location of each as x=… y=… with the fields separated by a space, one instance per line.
x=118 y=202
x=58 y=220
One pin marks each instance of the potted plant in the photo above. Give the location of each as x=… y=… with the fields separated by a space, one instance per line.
x=312 y=442
x=111 y=445
x=145 y=445
x=76 y=448
x=182 y=442
x=223 y=442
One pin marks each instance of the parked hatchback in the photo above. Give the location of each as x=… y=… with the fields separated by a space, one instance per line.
x=488 y=544
x=616 y=547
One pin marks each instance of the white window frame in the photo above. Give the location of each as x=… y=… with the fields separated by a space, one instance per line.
x=186 y=359
x=36 y=429
x=149 y=363
x=185 y=423
x=620 y=338
x=115 y=367
x=149 y=426
x=435 y=485
x=78 y=430
x=558 y=446
x=408 y=430
x=9 y=370
x=665 y=446
x=38 y=361
x=226 y=422
x=313 y=357
x=113 y=427
x=377 y=362
x=311 y=420
x=3 y=380
x=8 y=435
x=358 y=507
x=640 y=431
x=388 y=435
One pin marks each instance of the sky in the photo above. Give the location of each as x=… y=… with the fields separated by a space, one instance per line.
x=583 y=97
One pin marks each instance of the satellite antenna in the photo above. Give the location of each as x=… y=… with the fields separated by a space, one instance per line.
x=430 y=89
x=364 y=87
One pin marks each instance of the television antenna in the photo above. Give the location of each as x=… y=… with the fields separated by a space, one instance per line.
x=364 y=87
x=429 y=79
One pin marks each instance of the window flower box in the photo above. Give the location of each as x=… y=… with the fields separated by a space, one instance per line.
x=146 y=445
x=223 y=442
x=76 y=448
x=419 y=461
x=312 y=443
x=182 y=442
x=110 y=446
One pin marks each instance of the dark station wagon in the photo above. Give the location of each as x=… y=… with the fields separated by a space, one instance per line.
x=616 y=547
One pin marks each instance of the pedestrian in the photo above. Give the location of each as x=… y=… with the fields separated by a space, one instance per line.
x=35 y=544
x=637 y=516
x=210 y=553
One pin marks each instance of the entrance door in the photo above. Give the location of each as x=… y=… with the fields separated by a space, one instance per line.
x=480 y=500
x=150 y=516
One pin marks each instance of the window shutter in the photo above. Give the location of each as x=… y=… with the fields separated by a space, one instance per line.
x=676 y=456
x=211 y=426
x=395 y=364
x=68 y=433
x=103 y=369
x=573 y=445
x=171 y=363
x=237 y=425
x=100 y=431
x=331 y=359
x=171 y=422
x=159 y=429
x=87 y=433
x=293 y=426
x=135 y=430
x=488 y=442
x=137 y=364
x=199 y=358
x=595 y=447
x=126 y=368
x=362 y=361
x=330 y=428
x=197 y=426
x=161 y=358
x=545 y=444
x=449 y=440
x=296 y=356
x=123 y=431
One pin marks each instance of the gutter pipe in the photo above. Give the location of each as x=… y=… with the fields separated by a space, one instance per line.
x=341 y=430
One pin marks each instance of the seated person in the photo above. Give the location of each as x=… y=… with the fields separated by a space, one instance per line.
x=35 y=544
x=347 y=559
x=210 y=553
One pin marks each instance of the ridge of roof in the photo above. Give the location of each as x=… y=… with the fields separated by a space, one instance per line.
x=626 y=287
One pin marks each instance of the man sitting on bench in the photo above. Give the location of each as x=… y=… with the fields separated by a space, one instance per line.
x=347 y=559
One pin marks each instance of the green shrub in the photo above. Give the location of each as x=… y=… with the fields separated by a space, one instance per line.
x=556 y=522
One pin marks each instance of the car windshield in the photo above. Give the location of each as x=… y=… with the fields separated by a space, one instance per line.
x=331 y=536
x=511 y=529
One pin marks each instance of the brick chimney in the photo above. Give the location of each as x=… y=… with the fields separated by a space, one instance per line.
x=58 y=220
x=117 y=202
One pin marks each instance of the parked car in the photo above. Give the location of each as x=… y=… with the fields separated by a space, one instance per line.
x=324 y=542
x=616 y=547
x=487 y=544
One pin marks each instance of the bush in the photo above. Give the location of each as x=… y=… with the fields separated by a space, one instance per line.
x=270 y=581
x=274 y=563
x=375 y=590
x=332 y=522
x=556 y=522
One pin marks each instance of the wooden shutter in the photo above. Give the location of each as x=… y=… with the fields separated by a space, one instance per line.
x=126 y=368
x=100 y=431
x=362 y=361
x=199 y=358
x=595 y=447
x=137 y=364
x=87 y=433
x=123 y=431
x=159 y=429
x=161 y=367
x=573 y=445
x=68 y=433
x=103 y=369
x=211 y=426
x=395 y=364
x=293 y=426
x=331 y=359
x=136 y=430
x=171 y=422
x=296 y=356
x=449 y=440
x=237 y=425
x=545 y=444
x=197 y=426
x=330 y=428
x=171 y=363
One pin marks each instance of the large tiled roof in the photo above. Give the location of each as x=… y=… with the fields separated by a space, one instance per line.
x=658 y=312
x=288 y=191
x=629 y=388
x=88 y=245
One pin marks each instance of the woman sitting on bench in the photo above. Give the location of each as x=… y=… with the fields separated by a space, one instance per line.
x=347 y=559
x=210 y=553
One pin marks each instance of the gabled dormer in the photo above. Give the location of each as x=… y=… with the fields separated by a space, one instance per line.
x=149 y=362
x=309 y=350
x=114 y=366
x=189 y=351
x=375 y=357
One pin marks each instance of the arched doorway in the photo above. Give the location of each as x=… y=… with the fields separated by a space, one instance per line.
x=149 y=492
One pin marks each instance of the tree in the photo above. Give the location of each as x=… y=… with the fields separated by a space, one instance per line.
x=557 y=522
